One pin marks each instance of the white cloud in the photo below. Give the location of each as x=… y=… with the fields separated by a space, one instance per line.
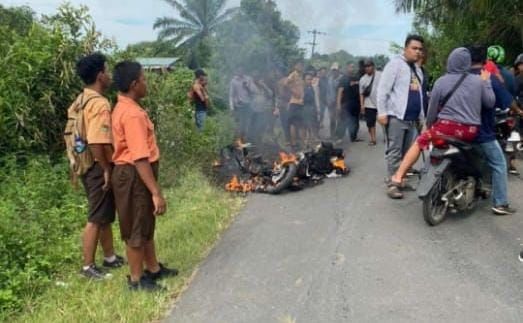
x=344 y=21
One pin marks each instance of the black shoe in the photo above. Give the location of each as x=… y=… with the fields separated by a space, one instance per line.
x=117 y=263
x=521 y=256
x=144 y=284
x=95 y=273
x=164 y=272
x=503 y=210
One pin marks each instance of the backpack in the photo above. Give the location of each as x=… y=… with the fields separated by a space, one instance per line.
x=79 y=155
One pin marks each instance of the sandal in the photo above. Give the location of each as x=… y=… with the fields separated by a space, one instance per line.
x=393 y=191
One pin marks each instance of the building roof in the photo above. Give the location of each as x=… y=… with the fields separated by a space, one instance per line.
x=157 y=62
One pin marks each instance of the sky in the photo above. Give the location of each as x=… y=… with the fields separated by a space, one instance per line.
x=359 y=27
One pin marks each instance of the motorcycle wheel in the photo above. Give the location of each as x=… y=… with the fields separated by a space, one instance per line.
x=283 y=180
x=434 y=209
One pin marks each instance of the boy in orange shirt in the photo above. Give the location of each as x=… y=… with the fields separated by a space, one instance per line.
x=135 y=178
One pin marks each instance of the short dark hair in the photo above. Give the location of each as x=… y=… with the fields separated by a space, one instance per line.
x=199 y=73
x=125 y=73
x=478 y=53
x=323 y=68
x=413 y=37
x=89 y=66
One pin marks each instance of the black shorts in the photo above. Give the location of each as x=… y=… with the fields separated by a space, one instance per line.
x=101 y=203
x=296 y=115
x=370 y=117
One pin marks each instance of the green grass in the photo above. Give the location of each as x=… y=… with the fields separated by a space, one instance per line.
x=197 y=214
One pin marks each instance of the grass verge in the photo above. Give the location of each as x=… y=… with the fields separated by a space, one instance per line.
x=198 y=212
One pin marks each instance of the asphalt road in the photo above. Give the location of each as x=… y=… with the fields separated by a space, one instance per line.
x=344 y=252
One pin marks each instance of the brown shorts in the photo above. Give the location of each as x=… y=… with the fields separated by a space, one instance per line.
x=101 y=203
x=134 y=204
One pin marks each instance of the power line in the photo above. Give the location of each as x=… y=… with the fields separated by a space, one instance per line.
x=314 y=33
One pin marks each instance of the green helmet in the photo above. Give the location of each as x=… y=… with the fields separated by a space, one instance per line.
x=496 y=53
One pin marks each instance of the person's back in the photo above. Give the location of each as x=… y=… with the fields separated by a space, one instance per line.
x=464 y=106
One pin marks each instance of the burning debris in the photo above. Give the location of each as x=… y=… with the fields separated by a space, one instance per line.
x=243 y=170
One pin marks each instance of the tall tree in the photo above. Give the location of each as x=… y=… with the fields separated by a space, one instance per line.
x=470 y=21
x=197 y=22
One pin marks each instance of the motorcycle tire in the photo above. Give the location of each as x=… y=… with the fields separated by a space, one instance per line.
x=285 y=181
x=434 y=209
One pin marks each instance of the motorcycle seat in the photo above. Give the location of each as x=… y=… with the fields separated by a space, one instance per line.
x=460 y=144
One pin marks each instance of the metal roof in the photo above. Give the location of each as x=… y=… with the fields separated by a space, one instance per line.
x=157 y=62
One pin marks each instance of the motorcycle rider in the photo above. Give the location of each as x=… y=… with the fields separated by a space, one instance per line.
x=496 y=57
x=459 y=116
x=486 y=139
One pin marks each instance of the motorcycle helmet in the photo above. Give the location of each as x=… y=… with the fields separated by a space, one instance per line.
x=496 y=53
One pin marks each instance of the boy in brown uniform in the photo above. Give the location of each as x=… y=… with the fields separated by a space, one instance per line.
x=94 y=73
x=137 y=192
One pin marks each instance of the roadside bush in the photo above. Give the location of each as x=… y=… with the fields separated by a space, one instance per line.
x=41 y=218
x=181 y=145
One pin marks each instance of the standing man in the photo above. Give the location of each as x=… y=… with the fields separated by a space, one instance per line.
x=93 y=71
x=240 y=97
x=368 y=97
x=310 y=106
x=332 y=94
x=486 y=138
x=348 y=105
x=323 y=87
x=283 y=96
x=138 y=196
x=296 y=85
x=400 y=101
x=200 y=98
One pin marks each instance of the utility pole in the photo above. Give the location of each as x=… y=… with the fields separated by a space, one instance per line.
x=314 y=33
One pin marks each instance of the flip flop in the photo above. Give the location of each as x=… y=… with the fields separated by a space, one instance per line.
x=394 y=191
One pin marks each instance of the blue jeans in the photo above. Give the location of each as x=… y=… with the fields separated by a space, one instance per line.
x=498 y=166
x=200 y=119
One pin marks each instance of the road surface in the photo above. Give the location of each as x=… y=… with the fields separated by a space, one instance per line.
x=344 y=252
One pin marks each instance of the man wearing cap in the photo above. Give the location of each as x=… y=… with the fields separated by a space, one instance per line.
x=332 y=92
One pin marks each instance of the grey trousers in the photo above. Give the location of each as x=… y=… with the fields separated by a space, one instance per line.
x=400 y=135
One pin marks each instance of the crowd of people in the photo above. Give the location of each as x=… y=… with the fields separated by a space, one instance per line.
x=301 y=99
x=115 y=154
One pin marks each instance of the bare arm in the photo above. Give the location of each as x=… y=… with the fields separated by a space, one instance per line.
x=338 y=98
x=144 y=169
x=103 y=154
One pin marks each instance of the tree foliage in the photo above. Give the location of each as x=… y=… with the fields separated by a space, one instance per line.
x=452 y=23
x=342 y=57
x=197 y=22
x=37 y=79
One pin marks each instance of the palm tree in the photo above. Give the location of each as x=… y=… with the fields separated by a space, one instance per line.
x=198 y=20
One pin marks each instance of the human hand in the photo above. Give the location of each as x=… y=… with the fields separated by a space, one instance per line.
x=160 y=206
x=107 y=180
x=383 y=120
x=485 y=75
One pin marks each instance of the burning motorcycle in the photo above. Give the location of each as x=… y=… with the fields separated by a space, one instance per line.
x=251 y=173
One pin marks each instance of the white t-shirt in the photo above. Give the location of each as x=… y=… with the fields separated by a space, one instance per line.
x=370 y=101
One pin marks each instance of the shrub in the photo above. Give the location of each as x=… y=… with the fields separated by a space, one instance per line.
x=39 y=226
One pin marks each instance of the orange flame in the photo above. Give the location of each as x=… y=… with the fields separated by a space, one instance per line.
x=287 y=158
x=235 y=185
x=339 y=163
